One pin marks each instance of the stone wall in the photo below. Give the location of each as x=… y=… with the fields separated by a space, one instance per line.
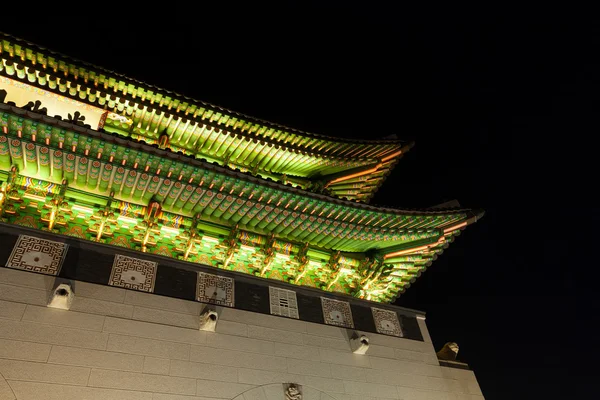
x=118 y=344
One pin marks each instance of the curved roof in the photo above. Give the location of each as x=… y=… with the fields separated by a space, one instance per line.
x=349 y=168
x=263 y=206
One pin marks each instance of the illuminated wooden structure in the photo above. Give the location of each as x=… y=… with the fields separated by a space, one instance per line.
x=158 y=172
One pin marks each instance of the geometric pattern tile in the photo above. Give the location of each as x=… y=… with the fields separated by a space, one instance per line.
x=337 y=312
x=215 y=289
x=133 y=273
x=386 y=322
x=38 y=255
x=283 y=302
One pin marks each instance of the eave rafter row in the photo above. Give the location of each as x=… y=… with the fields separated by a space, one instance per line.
x=198 y=128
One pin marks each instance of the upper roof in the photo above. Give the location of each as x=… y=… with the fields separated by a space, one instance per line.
x=345 y=168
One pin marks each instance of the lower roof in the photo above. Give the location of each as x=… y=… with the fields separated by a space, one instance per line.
x=58 y=174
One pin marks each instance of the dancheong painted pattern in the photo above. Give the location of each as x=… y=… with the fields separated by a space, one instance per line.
x=164 y=174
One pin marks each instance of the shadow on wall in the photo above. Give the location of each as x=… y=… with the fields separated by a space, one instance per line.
x=286 y=391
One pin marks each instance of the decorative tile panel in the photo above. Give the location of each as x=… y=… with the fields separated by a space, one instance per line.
x=133 y=273
x=283 y=302
x=94 y=264
x=337 y=312
x=386 y=322
x=37 y=255
x=215 y=289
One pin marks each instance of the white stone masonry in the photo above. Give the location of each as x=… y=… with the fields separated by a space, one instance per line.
x=119 y=344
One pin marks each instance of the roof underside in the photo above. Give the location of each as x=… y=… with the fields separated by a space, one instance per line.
x=64 y=173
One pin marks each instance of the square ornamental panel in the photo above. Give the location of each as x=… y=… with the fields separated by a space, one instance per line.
x=337 y=312
x=133 y=273
x=37 y=255
x=386 y=322
x=283 y=302
x=215 y=289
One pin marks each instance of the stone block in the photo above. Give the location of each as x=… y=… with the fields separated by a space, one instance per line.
x=422 y=382
x=209 y=372
x=257 y=377
x=327 y=330
x=345 y=372
x=42 y=372
x=100 y=292
x=25 y=295
x=11 y=310
x=18 y=278
x=240 y=343
x=399 y=343
x=63 y=318
x=164 y=396
x=231 y=328
x=346 y=358
x=157 y=366
x=17 y=350
x=264 y=320
x=163 y=303
x=141 y=382
x=148 y=347
x=407 y=367
x=45 y=391
x=275 y=335
x=102 y=307
x=328 y=385
x=370 y=389
x=381 y=351
x=409 y=355
x=237 y=358
x=165 y=317
x=40 y=333
x=95 y=358
x=301 y=352
x=384 y=376
x=303 y=367
x=327 y=342
x=154 y=331
x=420 y=394
x=225 y=390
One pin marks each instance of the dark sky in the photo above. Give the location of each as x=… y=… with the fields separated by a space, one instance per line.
x=503 y=111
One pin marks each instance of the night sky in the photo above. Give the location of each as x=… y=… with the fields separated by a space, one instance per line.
x=503 y=111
